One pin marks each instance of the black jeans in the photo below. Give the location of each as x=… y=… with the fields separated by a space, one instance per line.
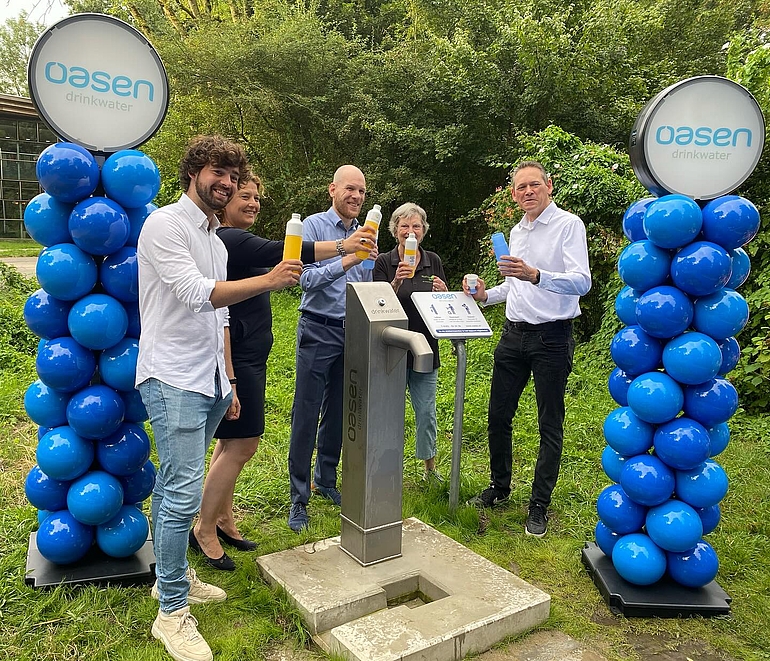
x=544 y=351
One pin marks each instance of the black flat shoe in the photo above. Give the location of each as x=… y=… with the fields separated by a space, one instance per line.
x=240 y=544
x=225 y=563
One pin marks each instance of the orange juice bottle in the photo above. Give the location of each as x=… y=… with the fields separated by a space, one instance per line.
x=373 y=219
x=410 y=251
x=292 y=245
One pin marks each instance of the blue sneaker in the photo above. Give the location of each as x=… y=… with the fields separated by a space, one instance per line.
x=330 y=493
x=298 y=520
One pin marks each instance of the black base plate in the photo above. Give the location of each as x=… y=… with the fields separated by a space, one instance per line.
x=96 y=567
x=666 y=598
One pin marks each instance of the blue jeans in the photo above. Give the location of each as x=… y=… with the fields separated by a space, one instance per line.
x=183 y=423
x=422 y=393
x=545 y=353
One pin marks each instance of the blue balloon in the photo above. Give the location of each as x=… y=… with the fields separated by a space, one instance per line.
x=719 y=436
x=99 y=226
x=618 y=383
x=633 y=220
x=664 y=311
x=722 y=314
x=44 y=492
x=45 y=406
x=710 y=517
x=134 y=323
x=62 y=539
x=642 y=265
x=674 y=526
x=42 y=431
x=134 y=407
x=695 y=567
x=124 y=452
x=45 y=315
x=65 y=271
x=131 y=178
x=638 y=559
x=42 y=515
x=136 y=218
x=625 y=305
x=682 y=444
x=98 y=321
x=119 y=275
x=655 y=397
x=647 y=480
x=63 y=455
x=612 y=463
x=618 y=512
x=124 y=534
x=635 y=351
x=692 y=358
x=95 y=412
x=702 y=486
x=741 y=268
x=711 y=402
x=94 y=498
x=45 y=219
x=701 y=268
x=138 y=486
x=731 y=354
x=730 y=221
x=67 y=172
x=117 y=365
x=64 y=364
x=605 y=538
x=672 y=221
x=627 y=434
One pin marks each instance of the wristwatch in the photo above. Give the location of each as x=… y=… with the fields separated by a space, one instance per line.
x=233 y=381
x=340 y=248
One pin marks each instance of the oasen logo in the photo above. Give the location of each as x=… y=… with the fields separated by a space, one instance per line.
x=99 y=81
x=703 y=136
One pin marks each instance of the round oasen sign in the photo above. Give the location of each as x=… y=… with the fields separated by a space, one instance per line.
x=701 y=137
x=97 y=82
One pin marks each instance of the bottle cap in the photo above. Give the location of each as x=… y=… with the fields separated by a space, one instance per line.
x=295 y=216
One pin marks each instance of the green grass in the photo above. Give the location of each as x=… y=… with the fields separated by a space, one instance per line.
x=97 y=623
x=19 y=248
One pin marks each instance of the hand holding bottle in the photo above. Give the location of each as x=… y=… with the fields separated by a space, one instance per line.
x=284 y=274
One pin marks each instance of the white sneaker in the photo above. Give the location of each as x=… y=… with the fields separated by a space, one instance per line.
x=178 y=631
x=200 y=592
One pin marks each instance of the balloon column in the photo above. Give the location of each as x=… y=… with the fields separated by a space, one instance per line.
x=681 y=313
x=93 y=469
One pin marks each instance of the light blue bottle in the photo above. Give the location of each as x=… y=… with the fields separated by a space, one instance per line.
x=500 y=245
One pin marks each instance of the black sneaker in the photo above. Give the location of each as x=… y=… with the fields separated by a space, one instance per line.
x=490 y=497
x=537 y=521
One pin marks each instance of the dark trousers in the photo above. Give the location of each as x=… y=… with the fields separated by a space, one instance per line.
x=544 y=351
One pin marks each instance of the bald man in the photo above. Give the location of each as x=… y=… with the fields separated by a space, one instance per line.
x=321 y=347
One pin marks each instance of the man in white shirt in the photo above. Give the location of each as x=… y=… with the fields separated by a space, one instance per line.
x=183 y=370
x=545 y=274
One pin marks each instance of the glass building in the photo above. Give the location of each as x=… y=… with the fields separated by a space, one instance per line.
x=22 y=137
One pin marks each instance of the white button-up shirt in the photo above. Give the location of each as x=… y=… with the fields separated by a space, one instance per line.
x=180 y=259
x=555 y=244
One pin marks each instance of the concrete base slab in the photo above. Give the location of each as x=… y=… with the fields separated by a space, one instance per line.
x=439 y=601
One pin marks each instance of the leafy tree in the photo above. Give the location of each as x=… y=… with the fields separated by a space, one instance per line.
x=17 y=37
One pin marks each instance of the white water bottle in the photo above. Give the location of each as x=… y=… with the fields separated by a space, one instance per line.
x=373 y=219
x=292 y=244
x=410 y=252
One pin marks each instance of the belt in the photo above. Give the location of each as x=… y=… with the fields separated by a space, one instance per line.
x=548 y=325
x=326 y=321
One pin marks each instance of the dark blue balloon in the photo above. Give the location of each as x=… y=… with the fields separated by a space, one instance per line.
x=702 y=486
x=627 y=434
x=94 y=498
x=647 y=480
x=722 y=314
x=119 y=275
x=42 y=431
x=45 y=406
x=612 y=463
x=134 y=407
x=682 y=444
x=674 y=526
x=730 y=221
x=134 y=323
x=655 y=397
x=95 y=412
x=672 y=221
x=131 y=178
x=701 y=268
x=625 y=305
x=710 y=517
x=136 y=218
x=45 y=315
x=638 y=559
x=605 y=538
x=731 y=354
x=99 y=226
x=695 y=567
x=62 y=539
x=618 y=383
x=711 y=402
x=692 y=358
x=124 y=534
x=117 y=365
x=67 y=171
x=642 y=265
x=633 y=219
x=664 y=311
x=98 y=321
x=64 y=364
x=65 y=271
x=618 y=512
x=44 y=492
x=719 y=436
x=63 y=455
x=45 y=219
x=741 y=268
x=124 y=452
x=138 y=486
x=635 y=351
